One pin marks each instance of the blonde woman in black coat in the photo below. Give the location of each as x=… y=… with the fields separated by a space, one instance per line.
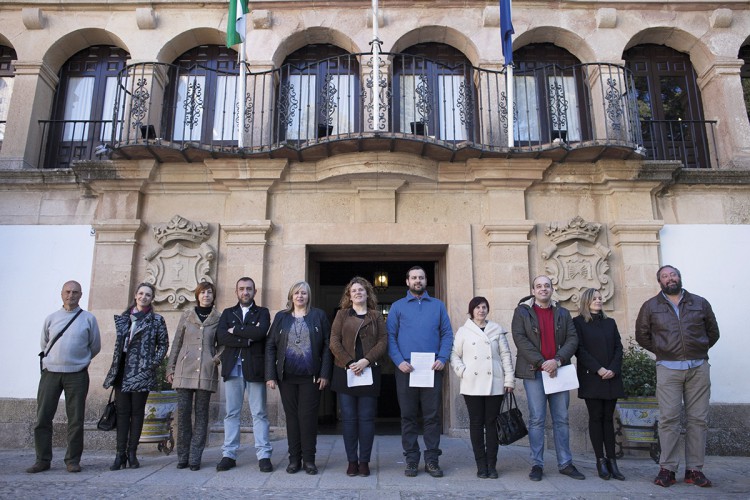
x=599 y=374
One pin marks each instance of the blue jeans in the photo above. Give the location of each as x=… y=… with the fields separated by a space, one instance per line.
x=235 y=388
x=558 y=409
x=358 y=416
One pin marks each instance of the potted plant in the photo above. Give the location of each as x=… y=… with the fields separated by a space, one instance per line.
x=638 y=413
x=160 y=408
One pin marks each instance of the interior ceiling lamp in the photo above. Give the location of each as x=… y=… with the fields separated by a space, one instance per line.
x=381 y=281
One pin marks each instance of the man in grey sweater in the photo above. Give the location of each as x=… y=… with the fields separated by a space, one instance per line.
x=65 y=368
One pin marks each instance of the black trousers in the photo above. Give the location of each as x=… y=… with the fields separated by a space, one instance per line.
x=483 y=411
x=301 y=400
x=191 y=438
x=410 y=400
x=601 y=426
x=130 y=413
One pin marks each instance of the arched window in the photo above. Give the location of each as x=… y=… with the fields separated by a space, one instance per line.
x=204 y=98
x=433 y=93
x=7 y=56
x=318 y=94
x=548 y=85
x=84 y=104
x=745 y=76
x=669 y=104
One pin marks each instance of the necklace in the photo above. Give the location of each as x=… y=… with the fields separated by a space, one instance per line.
x=297 y=329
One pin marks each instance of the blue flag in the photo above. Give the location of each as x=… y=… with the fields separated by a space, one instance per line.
x=506 y=31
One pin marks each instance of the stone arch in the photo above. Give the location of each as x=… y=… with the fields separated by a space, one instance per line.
x=438 y=34
x=572 y=42
x=5 y=41
x=188 y=40
x=313 y=35
x=679 y=40
x=72 y=43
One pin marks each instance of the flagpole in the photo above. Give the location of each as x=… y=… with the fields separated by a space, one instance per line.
x=243 y=90
x=509 y=91
x=375 y=68
x=506 y=42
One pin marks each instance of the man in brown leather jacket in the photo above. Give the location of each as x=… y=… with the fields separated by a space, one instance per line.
x=679 y=328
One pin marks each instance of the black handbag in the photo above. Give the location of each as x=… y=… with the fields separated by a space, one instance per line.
x=510 y=425
x=108 y=420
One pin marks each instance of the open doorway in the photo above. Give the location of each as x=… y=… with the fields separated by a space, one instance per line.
x=328 y=274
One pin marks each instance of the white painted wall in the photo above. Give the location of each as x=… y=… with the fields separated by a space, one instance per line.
x=713 y=263
x=39 y=259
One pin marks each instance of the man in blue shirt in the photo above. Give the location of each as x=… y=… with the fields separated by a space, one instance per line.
x=419 y=323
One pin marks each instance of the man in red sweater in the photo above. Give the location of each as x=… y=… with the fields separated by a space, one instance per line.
x=546 y=339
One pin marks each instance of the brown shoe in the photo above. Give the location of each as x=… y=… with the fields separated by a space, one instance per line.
x=352 y=470
x=39 y=466
x=364 y=469
x=73 y=467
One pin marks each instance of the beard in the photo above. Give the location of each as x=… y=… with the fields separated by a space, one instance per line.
x=673 y=288
x=416 y=290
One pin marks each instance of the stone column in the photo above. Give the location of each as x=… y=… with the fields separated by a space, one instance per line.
x=505 y=260
x=34 y=87
x=244 y=254
x=723 y=100
x=637 y=243
x=118 y=227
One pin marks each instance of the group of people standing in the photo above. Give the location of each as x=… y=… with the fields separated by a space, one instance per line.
x=300 y=353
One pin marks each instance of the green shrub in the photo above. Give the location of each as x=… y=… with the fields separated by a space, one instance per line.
x=638 y=371
x=161 y=377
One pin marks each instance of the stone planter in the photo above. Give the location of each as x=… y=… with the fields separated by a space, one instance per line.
x=157 y=424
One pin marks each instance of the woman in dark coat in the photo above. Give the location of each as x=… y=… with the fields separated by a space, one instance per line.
x=141 y=343
x=298 y=359
x=358 y=341
x=599 y=374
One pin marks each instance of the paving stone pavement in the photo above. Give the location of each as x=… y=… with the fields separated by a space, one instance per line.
x=159 y=478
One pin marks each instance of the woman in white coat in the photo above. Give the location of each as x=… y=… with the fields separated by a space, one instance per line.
x=481 y=358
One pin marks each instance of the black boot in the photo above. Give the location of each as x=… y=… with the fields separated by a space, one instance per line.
x=121 y=461
x=602 y=467
x=614 y=470
x=133 y=459
x=482 y=469
x=492 y=470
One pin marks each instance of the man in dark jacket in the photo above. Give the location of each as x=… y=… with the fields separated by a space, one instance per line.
x=546 y=339
x=679 y=328
x=242 y=334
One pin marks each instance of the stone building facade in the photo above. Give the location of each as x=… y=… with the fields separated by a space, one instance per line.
x=125 y=116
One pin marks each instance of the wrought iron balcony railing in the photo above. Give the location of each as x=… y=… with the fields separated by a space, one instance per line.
x=450 y=113
x=692 y=142
x=68 y=141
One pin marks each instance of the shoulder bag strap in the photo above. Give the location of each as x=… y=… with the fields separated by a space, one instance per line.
x=44 y=354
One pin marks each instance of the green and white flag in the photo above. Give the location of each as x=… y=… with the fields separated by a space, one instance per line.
x=236 y=27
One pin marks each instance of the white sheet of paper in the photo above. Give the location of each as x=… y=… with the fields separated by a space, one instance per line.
x=565 y=380
x=423 y=374
x=353 y=380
